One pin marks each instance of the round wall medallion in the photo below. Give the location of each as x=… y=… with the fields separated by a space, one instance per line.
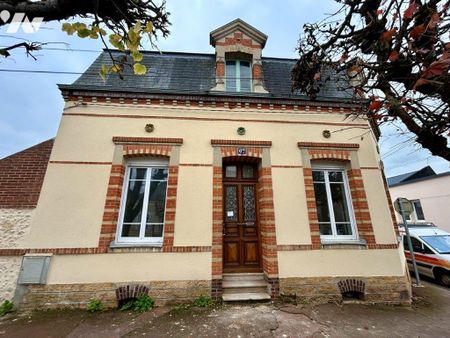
x=149 y=127
x=241 y=131
x=326 y=134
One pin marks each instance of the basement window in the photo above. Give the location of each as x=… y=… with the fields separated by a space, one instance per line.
x=144 y=203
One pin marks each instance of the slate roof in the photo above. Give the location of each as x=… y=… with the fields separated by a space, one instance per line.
x=413 y=176
x=194 y=73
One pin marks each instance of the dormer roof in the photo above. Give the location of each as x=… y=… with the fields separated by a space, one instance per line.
x=241 y=26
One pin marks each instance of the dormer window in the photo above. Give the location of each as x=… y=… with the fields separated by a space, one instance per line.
x=238 y=76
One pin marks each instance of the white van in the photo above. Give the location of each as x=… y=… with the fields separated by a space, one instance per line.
x=431 y=246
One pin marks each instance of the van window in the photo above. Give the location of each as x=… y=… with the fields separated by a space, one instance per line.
x=439 y=243
x=417 y=245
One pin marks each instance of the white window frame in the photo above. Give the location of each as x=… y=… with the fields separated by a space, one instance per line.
x=237 y=76
x=141 y=163
x=338 y=238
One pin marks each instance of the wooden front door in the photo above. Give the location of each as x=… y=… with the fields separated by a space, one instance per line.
x=241 y=238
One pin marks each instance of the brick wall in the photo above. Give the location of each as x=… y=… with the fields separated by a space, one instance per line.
x=22 y=174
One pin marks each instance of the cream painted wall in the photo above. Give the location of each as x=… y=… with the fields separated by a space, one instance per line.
x=321 y=263
x=70 y=207
x=291 y=214
x=383 y=226
x=193 y=217
x=129 y=267
x=434 y=196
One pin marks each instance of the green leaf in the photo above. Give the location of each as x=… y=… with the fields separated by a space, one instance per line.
x=137 y=56
x=115 y=69
x=139 y=69
x=148 y=27
x=68 y=28
x=115 y=40
x=84 y=33
x=103 y=72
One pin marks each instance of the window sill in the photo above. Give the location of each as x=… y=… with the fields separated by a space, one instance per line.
x=344 y=244
x=135 y=247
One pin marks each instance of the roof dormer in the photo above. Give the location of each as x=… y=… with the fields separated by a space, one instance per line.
x=238 y=57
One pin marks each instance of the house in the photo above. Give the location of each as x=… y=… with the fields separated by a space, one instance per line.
x=207 y=176
x=429 y=194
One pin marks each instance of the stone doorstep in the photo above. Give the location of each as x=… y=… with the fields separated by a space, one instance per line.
x=251 y=296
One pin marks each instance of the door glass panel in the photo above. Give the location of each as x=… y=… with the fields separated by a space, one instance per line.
x=231 y=171
x=247 y=171
x=249 y=203
x=318 y=176
x=135 y=200
x=156 y=202
x=339 y=203
x=231 y=204
x=321 y=202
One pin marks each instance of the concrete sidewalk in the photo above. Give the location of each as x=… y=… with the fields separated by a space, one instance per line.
x=429 y=317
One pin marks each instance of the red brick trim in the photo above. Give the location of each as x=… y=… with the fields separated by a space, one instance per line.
x=312 y=210
x=98 y=250
x=286 y=166
x=370 y=168
x=171 y=203
x=217 y=225
x=361 y=207
x=294 y=247
x=391 y=205
x=328 y=145
x=213 y=119
x=195 y=165
x=329 y=154
x=137 y=150
x=251 y=152
x=242 y=143
x=267 y=223
x=80 y=162
x=158 y=140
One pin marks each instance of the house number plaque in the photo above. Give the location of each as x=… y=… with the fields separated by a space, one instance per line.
x=242 y=151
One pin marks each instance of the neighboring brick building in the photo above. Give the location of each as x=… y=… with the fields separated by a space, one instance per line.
x=21 y=177
x=207 y=176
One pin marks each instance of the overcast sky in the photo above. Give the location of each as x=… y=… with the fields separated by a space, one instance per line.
x=31 y=104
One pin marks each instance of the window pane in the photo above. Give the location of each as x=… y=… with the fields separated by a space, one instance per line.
x=440 y=243
x=419 y=211
x=246 y=76
x=318 y=176
x=321 y=202
x=344 y=229
x=135 y=199
x=335 y=176
x=247 y=171
x=231 y=171
x=231 y=203
x=153 y=230
x=159 y=173
x=249 y=203
x=156 y=202
x=325 y=229
x=137 y=173
x=130 y=230
x=340 y=207
x=230 y=72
